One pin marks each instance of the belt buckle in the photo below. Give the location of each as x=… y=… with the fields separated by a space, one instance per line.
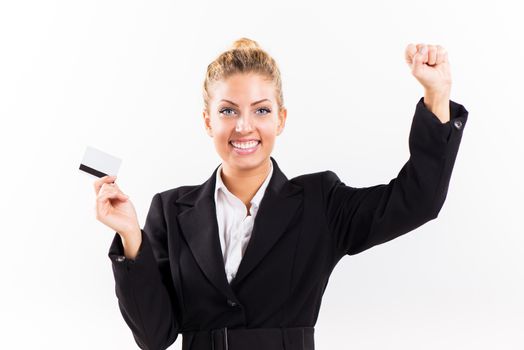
x=224 y=336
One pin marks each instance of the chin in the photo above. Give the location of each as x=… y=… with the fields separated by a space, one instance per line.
x=246 y=162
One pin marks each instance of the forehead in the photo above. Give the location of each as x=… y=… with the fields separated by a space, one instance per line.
x=243 y=88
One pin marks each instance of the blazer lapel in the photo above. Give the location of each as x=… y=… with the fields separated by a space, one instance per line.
x=281 y=200
x=200 y=227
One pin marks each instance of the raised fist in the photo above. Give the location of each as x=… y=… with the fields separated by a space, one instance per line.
x=430 y=66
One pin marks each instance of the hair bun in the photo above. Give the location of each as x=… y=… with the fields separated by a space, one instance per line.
x=243 y=56
x=245 y=44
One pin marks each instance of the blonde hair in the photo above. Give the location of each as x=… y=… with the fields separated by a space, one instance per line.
x=244 y=56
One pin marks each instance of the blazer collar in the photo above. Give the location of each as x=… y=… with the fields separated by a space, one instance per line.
x=207 y=189
x=199 y=226
x=255 y=201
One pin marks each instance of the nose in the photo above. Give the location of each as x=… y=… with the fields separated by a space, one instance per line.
x=244 y=124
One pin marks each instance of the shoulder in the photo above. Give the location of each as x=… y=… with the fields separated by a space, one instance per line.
x=313 y=177
x=321 y=179
x=172 y=194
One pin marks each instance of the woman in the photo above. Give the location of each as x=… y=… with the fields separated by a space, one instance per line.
x=242 y=260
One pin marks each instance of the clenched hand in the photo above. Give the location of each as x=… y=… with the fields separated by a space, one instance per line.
x=430 y=66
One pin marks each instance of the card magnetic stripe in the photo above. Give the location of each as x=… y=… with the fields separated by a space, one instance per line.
x=91 y=170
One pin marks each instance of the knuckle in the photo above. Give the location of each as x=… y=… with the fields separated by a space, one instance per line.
x=101 y=196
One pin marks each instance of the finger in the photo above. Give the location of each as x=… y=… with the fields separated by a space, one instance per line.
x=105 y=190
x=409 y=53
x=115 y=185
x=420 y=58
x=422 y=50
x=105 y=179
x=103 y=203
x=103 y=199
x=121 y=195
x=441 y=54
x=112 y=188
x=432 y=55
x=108 y=194
x=109 y=188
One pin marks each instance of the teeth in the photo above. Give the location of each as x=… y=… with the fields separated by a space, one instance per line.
x=244 y=145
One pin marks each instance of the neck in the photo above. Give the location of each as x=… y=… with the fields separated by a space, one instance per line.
x=244 y=184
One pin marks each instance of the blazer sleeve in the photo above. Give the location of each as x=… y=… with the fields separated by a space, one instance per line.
x=144 y=286
x=360 y=218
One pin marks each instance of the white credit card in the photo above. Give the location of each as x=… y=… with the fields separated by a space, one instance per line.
x=98 y=163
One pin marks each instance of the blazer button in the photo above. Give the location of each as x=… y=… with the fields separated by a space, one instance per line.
x=458 y=124
x=231 y=302
x=120 y=258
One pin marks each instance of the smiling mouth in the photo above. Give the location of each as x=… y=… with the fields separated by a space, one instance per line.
x=245 y=145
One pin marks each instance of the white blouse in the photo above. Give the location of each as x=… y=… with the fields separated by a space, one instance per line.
x=234 y=225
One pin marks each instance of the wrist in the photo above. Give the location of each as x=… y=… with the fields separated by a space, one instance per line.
x=131 y=243
x=437 y=94
x=131 y=235
x=438 y=104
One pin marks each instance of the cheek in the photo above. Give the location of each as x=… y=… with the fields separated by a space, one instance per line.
x=268 y=131
x=221 y=135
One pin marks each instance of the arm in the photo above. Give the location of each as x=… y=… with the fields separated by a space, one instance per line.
x=438 y=104
x=144 y=286
x=360 y=218
x=131 y=244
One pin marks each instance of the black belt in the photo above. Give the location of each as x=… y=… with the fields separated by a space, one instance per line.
x=290 y=338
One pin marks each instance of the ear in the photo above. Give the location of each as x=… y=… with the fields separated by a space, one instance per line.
x=282 y=115
x=207 y=122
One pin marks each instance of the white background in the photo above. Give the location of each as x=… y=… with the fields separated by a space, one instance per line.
x=126 y=77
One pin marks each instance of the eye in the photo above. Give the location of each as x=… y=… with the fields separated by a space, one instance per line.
x=226 y=111
x=265 y=110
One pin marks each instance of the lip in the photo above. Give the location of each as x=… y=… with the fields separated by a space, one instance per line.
x=244 y=140
x=240 y=151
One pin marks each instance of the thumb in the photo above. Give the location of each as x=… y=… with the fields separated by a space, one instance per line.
x=123 y=197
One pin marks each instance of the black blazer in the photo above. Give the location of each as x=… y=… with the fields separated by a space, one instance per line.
x=304 y=226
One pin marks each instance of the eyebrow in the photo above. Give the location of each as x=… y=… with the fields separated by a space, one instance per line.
x=254 y=103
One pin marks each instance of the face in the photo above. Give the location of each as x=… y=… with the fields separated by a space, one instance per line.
x=244 y=121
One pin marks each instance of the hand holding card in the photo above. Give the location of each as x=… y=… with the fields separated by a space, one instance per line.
x=114 y=209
